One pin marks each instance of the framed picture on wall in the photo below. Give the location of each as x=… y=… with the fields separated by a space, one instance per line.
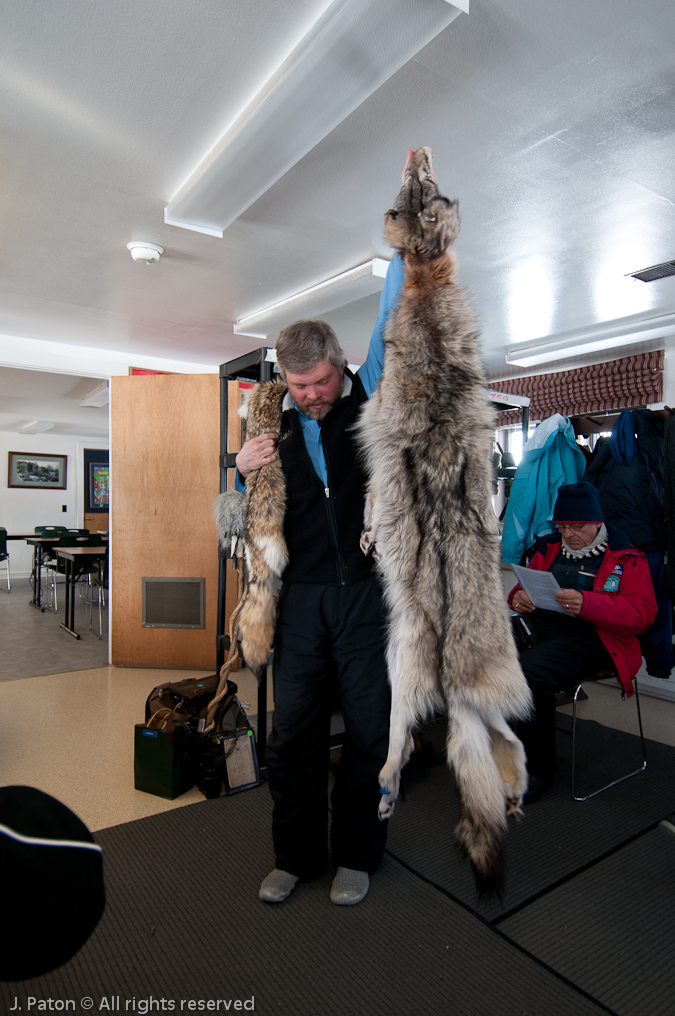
x=37 y=472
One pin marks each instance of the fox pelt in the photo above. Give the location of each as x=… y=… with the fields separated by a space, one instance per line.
x=265 y=550
x=427 y=436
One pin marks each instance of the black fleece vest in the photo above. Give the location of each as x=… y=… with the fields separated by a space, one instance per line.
x=323 y=524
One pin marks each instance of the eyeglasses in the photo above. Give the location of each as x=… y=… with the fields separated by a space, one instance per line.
x=573 y=529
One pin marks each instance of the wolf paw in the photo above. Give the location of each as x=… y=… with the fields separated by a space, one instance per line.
x=514 y=807
x=389 y=784
x=386 y=807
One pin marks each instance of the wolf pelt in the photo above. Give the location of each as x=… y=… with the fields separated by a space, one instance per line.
x=427 y=438
x=265 y=550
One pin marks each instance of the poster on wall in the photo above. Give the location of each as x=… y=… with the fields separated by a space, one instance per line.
x=99 y=481
x=96 y=481
x=37 y=472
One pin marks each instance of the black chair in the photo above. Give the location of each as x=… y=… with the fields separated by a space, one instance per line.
x=4 y=555
x=625 y=776
x=57 y=566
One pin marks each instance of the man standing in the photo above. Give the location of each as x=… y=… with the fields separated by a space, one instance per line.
x=330 y=633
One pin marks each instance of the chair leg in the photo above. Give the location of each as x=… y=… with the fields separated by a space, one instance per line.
x=620 y=779
x=53 y=606
x=49 y=600
x=99 y=633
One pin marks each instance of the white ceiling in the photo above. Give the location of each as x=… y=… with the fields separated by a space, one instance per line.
x=30 y=395
x=551 y=122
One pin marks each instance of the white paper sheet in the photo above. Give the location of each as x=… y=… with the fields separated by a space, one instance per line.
x=540 y=586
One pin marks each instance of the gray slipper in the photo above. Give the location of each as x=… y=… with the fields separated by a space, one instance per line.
x=277 y=886
x=349 y=887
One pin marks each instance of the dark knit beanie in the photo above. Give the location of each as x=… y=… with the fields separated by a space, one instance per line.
x=577 y=503
x=52 y=886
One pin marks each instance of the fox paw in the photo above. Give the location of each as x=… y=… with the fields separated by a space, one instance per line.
x=367 y=543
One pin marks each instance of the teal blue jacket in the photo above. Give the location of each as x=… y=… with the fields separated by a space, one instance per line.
x=550 y=458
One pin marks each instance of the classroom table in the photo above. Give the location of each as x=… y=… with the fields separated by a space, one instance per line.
x=76 y=558
x=40 y=543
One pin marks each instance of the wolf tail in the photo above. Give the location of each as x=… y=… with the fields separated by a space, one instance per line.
x=491 y=776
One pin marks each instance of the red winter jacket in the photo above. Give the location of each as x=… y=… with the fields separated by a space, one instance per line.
x=620 y=616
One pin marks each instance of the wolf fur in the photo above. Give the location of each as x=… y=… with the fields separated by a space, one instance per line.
x=427 y=437
x=265 y=551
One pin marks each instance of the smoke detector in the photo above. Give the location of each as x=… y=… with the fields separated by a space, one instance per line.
x=142 y=251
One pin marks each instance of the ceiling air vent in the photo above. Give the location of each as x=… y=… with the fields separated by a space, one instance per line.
x=655 y=272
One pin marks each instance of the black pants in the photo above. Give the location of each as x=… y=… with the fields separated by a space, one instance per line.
x=567 y=651
x=328 y=639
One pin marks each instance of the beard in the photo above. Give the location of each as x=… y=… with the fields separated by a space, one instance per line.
x=316 y=410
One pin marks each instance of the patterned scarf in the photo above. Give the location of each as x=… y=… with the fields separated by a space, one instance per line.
x=597 y=547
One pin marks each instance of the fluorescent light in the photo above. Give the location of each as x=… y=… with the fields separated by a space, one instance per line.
x=98 y=397
x=352 y=49
x=36 y=427
x=607 y=337
x=341 y=289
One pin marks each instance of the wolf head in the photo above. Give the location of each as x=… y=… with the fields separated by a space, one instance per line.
x=422 y=221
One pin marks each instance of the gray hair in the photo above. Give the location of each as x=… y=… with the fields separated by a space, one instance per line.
x=305 y=344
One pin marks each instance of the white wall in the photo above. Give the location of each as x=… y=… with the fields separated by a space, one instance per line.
x=22 y=510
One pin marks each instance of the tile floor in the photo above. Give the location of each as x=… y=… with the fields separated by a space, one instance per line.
x=67 y=718
x=72 y=735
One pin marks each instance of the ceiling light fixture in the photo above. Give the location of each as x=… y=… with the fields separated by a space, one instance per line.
x=352 y=49
x=143 y=251
x=97 y=397
x=36 y=427
x=593 y=341
x=364 y=280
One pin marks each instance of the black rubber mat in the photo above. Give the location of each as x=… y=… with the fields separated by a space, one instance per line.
x=557 y=837
x=183 y=923
x=611 y=930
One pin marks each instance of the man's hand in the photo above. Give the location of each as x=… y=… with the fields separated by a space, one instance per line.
x=521 y=602
x=257 y=452
x=572 y=600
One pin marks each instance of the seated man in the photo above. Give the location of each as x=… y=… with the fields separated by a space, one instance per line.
x=608 y=600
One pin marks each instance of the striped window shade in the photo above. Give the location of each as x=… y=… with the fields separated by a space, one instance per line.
x=599 y=387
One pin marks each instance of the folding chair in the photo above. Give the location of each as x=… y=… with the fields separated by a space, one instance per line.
x=619 y=779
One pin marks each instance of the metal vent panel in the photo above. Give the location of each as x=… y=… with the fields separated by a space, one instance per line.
x=174 y=602
x=661 y=271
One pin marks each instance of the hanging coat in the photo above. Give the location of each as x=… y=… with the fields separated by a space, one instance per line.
x=628 y=472
x=551 y=457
